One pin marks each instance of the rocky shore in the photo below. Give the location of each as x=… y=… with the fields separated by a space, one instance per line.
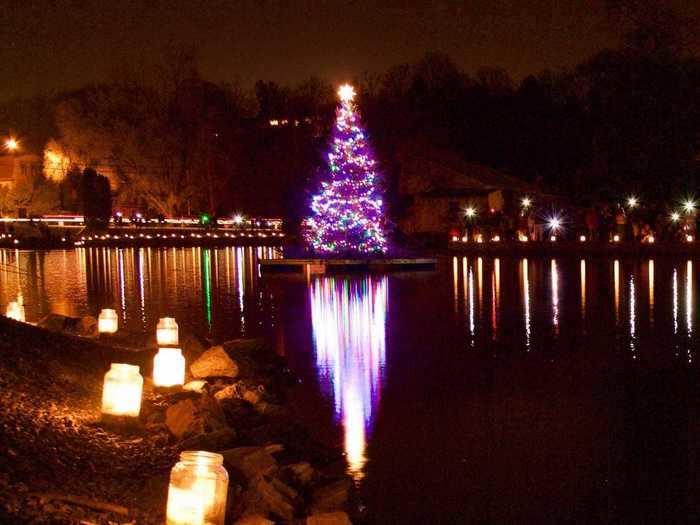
x=59 y=463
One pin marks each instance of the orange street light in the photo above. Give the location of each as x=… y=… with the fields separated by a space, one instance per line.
x=11 y=144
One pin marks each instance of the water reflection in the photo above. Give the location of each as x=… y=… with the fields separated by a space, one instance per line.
x=348 y=320
x=526 y=303
x=583 y=289
x=650 y=273
x=208 y=289
x=689 y=306
x=633 y=319
x=555 y=296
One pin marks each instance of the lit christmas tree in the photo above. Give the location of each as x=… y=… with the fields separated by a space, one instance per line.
x=347 y=215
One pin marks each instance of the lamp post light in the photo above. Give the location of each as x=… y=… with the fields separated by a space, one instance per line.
x=632 y=202
x=12 y=144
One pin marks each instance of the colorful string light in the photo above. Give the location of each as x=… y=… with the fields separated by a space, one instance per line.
x=347 y=215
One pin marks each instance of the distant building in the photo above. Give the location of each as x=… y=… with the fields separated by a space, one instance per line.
x=13 y=166
x=437 y=186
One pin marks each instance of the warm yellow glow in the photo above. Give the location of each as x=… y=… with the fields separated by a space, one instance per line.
x=15 y=310
x=689 y=238
x=197 y=493
x=582 y=238
x=455 y=238
x=346 y=93
x=11 y=144
x=616 y=238
x=169 y=367
x=675 y=216
x=465 y=238
x=56 y=165
x=553 y=238
x=522 y=237
x=496 y=238
x=479 y=238
x=470 y=212
x=526 y=202
x=121 y=394
x=689 y=206
x=632 y=201
x=108 y=322
x=167 y=332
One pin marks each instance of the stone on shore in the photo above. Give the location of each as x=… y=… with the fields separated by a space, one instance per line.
x=198 y=386
x=302 y=474
x=252 y=461
x=80 y=326
x=269 y=496
x=329 y=518
x=254 y=520
x=215 y=362
x=332 y=497
x=215 y=441
x=189 y=417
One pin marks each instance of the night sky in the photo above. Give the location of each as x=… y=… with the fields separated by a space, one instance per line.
x=54 y=45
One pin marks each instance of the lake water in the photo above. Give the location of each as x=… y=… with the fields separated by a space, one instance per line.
x=493 y=390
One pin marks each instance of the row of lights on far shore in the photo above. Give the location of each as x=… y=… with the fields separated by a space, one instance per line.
x=198 y=486
x=553 y=238
x=84 y=240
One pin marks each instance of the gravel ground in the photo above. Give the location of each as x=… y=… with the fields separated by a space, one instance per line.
x=57 y=463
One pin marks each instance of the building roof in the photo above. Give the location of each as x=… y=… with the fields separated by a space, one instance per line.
x=433 y=171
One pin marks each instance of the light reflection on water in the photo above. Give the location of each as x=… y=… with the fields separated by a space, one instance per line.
x=349 y=327
x=211 y=290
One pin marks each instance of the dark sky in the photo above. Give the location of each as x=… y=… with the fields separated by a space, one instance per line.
x=53 y=45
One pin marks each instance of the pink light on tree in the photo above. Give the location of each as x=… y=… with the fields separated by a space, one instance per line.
x=347 y=215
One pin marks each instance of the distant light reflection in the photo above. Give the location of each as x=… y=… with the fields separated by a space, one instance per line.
x=348 y=321
x=689 y=305
x=651 y=291
x=583 y=289
x=633 y=319
x=616 y=283
x=555 y=296
x=526 y=303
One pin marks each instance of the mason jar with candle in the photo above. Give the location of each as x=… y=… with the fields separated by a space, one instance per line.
x=107 y=322
x=168 y=367
x=15 y=310
x=167 y=332
x=198 y=490
x=121 y=394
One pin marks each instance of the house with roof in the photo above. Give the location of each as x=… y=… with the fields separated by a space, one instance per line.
x=437 y=186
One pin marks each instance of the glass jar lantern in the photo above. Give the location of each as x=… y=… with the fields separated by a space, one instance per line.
x=198 y=489
x=15 y=310
x=169 y=367
x=121 y=394
x=107 y=322
x=167 y=332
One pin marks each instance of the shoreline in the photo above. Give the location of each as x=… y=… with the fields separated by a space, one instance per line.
x=62 y=464
x=574 y=248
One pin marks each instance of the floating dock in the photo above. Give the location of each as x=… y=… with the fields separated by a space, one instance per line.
x=322 y=266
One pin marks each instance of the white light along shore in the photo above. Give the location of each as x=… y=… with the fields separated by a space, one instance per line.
x=320 y=265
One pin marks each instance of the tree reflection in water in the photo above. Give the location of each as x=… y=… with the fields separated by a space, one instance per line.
x=348 y=321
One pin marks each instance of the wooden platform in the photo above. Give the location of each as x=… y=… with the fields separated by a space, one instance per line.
x=322 y=266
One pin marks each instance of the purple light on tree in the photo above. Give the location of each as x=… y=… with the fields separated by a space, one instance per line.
x=347 y=215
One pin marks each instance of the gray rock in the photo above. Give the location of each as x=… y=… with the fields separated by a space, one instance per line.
x=272 y=497
x=215 y=362
x=252 y=461
x=332 y=497
x=189 y=417
x=329 y=518
x=228 y=392
x=81 y=326
x=256 y=519
x=87 y=327
x=215 y=441
x=199 y=386
x=303 y=474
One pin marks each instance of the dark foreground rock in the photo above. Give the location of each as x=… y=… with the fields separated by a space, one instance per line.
x=60 y=464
